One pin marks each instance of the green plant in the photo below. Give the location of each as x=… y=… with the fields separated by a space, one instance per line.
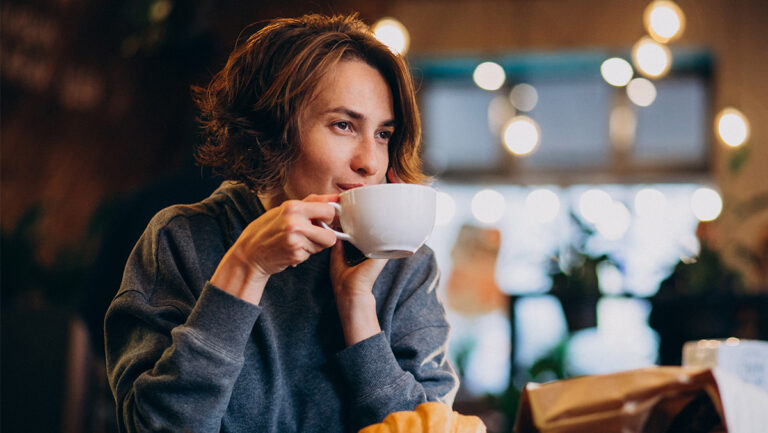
x=573 y=270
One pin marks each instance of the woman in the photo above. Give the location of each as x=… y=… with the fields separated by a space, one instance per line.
x=239 y=313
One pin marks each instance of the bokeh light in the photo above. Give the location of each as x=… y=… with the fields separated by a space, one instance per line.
x=651 y=58
x=650 y=203
x=610 y=279
x=614 y=221
x=160 y=10
x=521 y=135
x=445 y=209
x=616 y=71
x=664 y=20
x=489 y=76
x=488 y=206
x=543 y=204
x=706 y=204
x=524 y=97
x=593 y=203
x=732 y=127
x=641 y=92
x=393 y=34
x=500 y=110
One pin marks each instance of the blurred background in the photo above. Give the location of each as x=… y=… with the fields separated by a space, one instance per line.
x=601 y=168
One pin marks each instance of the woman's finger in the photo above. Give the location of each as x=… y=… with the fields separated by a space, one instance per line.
x=392 y=177
x=310 y=210
x=372 y=267
x=320 y=236
x=321 y=198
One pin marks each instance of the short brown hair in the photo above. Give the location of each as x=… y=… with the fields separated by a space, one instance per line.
x=250 y=109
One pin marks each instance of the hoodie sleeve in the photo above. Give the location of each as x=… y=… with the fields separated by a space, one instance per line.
x=398 y=370
x=174 y=342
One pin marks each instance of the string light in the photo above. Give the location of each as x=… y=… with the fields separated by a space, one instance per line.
x=543 y=204
x=706 y=204
x=393 y=34
x=651 y=58
x=489 y=76
x=521 y=135
x=732 y=127
x=641 y=92
x=616 y=71
x=524 y=97
x=488 y=206
x=664 y=20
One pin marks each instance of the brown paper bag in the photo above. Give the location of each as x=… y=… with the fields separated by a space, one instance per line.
x=660 y=399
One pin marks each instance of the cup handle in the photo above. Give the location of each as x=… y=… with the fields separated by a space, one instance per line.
x=340 y=235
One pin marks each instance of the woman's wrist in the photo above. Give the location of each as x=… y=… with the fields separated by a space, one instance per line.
x=237 y=277
x=358 y=317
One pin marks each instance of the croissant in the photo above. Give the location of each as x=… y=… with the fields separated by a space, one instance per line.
x=430 y=417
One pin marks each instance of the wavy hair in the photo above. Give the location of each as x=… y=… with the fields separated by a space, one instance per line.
x=250 y=111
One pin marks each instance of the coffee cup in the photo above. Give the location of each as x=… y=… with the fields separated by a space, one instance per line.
x=386 y=221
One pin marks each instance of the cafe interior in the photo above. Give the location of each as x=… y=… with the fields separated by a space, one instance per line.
x=601 y=168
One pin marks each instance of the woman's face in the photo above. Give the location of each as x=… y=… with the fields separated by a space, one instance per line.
x=345 y=131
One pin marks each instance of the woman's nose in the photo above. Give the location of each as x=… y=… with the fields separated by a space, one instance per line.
x=367 y=160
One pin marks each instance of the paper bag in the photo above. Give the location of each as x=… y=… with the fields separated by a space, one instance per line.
x=660 y=399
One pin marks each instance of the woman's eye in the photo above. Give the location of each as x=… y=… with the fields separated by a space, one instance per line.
x=386 y=135
x=342 y=125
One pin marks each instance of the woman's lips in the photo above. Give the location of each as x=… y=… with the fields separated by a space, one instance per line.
x=346 y=186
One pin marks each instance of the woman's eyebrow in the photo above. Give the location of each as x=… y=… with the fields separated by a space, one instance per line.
x=355 y=115
x=344 y=110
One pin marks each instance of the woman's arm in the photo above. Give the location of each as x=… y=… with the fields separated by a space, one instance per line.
x=173 y=354
x=409 y=364
x=172 y=359
x=284 y=236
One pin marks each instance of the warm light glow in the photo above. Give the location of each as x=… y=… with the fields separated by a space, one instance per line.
x=593 y=203
x=160 y=10
x=488 y=206
x=732 y=127
x=445 y=210
x=489 y=76
x=393 y=34
x=614 y=221
x=706 y=204
x=524 y=97
x=641 y=92
x=500 y=110
x=664 y=20
x=650 y=203
x=651 y=58
x=622 y=126
x=543 y=205
x=616 y=71
x=521 y=135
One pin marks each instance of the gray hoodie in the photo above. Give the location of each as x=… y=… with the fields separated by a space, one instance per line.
x=183 y=355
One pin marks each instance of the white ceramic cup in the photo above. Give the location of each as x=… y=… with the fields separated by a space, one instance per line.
x=386 y=221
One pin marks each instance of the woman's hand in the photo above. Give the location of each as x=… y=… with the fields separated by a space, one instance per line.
x=392 y=177
x=283 y=236
x=353 y=288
